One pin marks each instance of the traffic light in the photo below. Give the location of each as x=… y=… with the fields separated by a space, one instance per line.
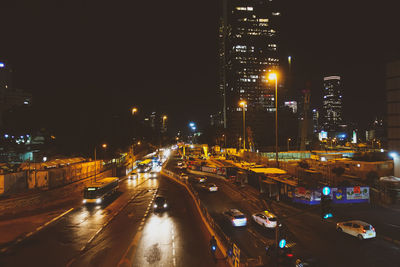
x=326 y=208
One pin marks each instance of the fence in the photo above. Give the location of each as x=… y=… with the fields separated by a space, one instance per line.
x=19 y=182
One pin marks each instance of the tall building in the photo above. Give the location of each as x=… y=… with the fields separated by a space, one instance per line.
x=393 y=105
x=10 y=97
x=331 y=117
x=248 y=48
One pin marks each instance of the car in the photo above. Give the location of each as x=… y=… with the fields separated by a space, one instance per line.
x=183 y=166
x=133 y=175
x=160 y=203
x=236 y=217
x=184 y=176
x=359 y=229
x=210 y=187
x=265 y=219
x=200 y=180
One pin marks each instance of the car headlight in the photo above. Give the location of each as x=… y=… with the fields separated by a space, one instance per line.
x=98 y=201
x=84 y=201
x=165 y=205
x=155 y=206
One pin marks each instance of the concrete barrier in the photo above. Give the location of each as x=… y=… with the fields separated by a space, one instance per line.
x=223 y=242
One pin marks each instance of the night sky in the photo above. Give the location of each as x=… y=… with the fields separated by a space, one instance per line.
x=86 y=59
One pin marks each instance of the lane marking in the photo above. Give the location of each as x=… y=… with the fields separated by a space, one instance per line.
x=19 y=240
x=131 y=251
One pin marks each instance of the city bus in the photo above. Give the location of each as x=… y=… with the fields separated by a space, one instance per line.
x=145 y=165
x=96 y=192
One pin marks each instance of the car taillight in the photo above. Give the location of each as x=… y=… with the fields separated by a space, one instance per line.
x=364 y=231
x=289 y=255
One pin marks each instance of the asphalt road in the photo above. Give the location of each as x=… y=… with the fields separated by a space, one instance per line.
x=122 y=232
x=309 y=235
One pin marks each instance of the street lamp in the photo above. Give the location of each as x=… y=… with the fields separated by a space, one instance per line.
x=243 y=104
x=164 y=118
x=274 y=76
x=288 y=141
x=134 y=110
x=95 y=160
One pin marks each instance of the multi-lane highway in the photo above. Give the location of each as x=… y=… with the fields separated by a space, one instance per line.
x=308 y=235
x=123 y=232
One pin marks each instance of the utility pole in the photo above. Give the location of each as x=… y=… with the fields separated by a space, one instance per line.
x=132 y=158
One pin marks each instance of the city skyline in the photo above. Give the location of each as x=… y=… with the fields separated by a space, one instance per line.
x=99 y=61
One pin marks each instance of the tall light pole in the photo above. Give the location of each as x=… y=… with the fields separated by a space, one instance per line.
x=288 y=141
x=164 y=118
x=243 y=104
x=274 y=76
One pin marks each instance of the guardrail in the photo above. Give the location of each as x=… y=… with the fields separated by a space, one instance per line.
x=225 y=244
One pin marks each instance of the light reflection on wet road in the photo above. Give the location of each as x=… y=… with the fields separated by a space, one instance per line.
x=101 y=235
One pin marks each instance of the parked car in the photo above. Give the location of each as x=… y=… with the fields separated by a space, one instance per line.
x=265 y=219
x=360 y=229
x=236 y=217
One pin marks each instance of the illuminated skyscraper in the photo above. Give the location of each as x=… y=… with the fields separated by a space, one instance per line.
x=248 y=39
x=331 y=117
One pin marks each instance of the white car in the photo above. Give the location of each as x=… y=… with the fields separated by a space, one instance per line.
x=236 y=217
x=210 y=187
x=360 y=229
x=133 y=175
x=201 y=179
x=265 y=219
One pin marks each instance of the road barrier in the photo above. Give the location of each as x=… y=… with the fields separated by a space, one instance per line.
x=224 y=243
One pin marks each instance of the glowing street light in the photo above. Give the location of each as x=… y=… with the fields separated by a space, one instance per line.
x=243 y=104
x=134 y=111
x=274 y=76
x=104 y=146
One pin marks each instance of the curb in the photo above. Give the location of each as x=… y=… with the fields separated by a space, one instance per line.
x=20 y=239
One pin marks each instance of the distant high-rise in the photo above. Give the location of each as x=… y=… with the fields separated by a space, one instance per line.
x=393 y=105
x=331 y=117
x=10 y=97
x=248 y=39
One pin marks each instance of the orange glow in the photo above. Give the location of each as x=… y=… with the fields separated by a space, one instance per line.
x=242 y=103
x=272 y=76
